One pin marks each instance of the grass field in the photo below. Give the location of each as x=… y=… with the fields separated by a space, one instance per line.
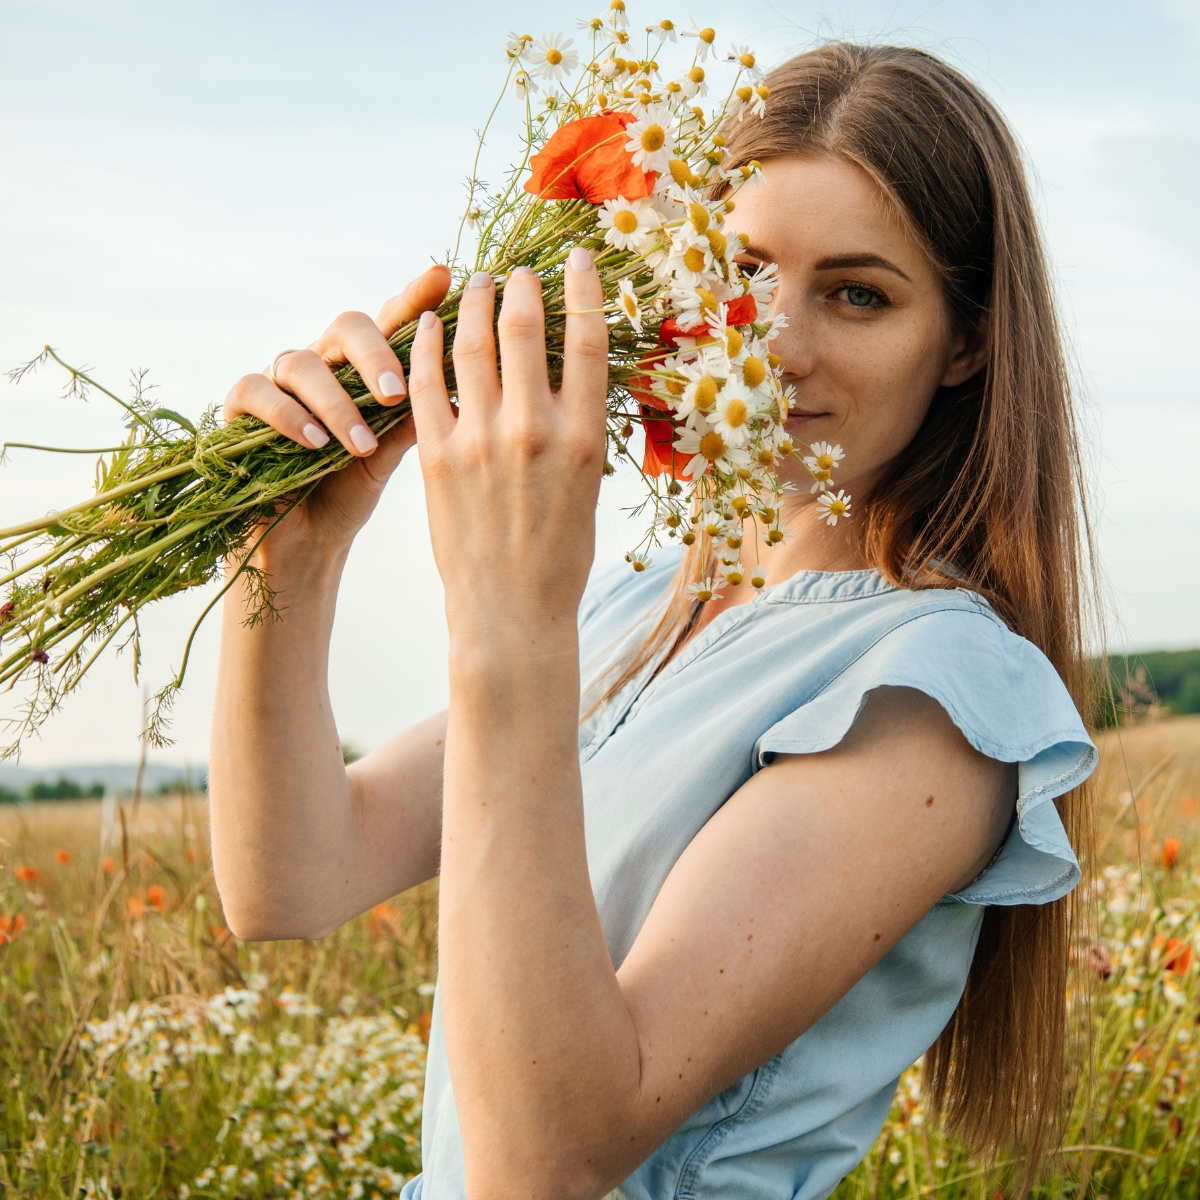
x=147 y=1053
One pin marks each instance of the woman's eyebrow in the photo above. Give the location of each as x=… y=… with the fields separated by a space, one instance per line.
x=843 y=261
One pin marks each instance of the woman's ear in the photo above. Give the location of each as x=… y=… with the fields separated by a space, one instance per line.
x=970 y=354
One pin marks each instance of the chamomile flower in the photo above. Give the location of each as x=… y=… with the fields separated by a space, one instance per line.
x=761 y=284
x=702 y=380
x=665 y=31
x=706 y=589
x=651 y=141
x=592 y=24
x=617 y=16
x=758 y=576
x=690 y=260
x=551 y=56
x=704 y=39
x=825 y=456
x=831 y=507
x=627 y=305
x=626 y=222
x=523 y=85
x=638 y=560
x=712 y=523
x=517 y=43
x=744 y=57
x=706 y=448
x=731 y=571
x=733 y=413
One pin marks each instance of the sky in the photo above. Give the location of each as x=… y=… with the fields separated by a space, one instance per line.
x=190 y=188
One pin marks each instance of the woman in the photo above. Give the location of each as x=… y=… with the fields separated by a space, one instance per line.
x=689 y=942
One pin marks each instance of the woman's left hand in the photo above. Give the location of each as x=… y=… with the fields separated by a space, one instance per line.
x=512 y=479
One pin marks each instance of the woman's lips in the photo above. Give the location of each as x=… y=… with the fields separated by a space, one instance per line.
x=802 y=416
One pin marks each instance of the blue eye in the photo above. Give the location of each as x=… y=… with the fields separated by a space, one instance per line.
x=859 y=297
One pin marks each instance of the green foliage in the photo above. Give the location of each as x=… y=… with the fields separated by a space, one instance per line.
x=1146 y=683
x=8 y=796
x=64 y=789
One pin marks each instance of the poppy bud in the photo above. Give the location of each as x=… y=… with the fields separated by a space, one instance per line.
x=39 y=656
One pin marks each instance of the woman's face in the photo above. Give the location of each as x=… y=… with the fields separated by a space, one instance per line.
x=868 y=339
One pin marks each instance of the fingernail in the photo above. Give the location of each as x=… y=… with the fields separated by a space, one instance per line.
x=480 y=279
x=580 y=259
x=427 y=320
x=520 y=271
x=314 y=435
x=390 y=384
x=362 y=439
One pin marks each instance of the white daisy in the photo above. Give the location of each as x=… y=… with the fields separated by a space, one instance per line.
x=592 y=24
x=731 y=571
x=650 y=139
x=733 y=413
x=665 y=31
x=523 y=84
x=552 y=57
x=707 y=447
x=761 y=284
x=693 y=83
x=830 y=507
x=627 y=305
x=821 y=464
x=758 y=576
x=702 y=383
x=516 y=44
x=705 y=38
x=638 y=560
x=744 y=57
x=627 y=222
x=616 y=14
x=690 y=260
x=712 y=523
x=705 y=589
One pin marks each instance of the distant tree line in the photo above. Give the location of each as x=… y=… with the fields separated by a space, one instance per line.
x=67 y=789
x=1163 y=682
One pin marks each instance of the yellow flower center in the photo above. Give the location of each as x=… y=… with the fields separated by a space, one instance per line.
x=693 y=259
x=621 y=65
x=733 y=342
x=666 y=26
x=773 y=361
x=825 y=462
x=704 y=595
x=733 y=578
x=681 y=173
x=625 y=221
x=708 y=36
x=838 y=508
x=638 y=565
x=672 y=86
x=766 y=457
x=688 y=538
x=698 y=215
x=671 y=520
x=716 y=239
x=775 y=536
x=553 y=56
x=645 y=98
x=708 y=302
x=739 y=504
x=733 y=542
x=763 y=91
x=712 y=445
x=653 y=137
x=706 y=394
x=747 y=61
x=736 y=413
x=745 y=94
x=712 y=529
x=729 y=206
x=753 y=371
x=696 y=74
x=768 y=515
x=785 y=447
x=676 y=387
x=629 y=304
x=617 y=5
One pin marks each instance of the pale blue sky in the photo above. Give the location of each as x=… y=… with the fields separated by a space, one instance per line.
x=192 y=187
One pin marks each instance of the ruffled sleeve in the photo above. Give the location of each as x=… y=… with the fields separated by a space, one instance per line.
x=1009 y=703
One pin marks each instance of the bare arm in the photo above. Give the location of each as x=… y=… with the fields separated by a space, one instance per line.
x=567 y=1073
x=301 y=843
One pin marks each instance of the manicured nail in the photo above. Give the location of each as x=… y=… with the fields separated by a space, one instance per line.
x=480 y=279
x=580 y=259
x=520 y=271
x=427 y=320
x=362 y=439
x=314 y=435
x=390 y=384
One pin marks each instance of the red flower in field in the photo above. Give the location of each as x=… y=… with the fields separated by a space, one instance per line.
x=742 y=311
x=109 y=865
x=587 y=159
x=156 y=895
x=1177 y=956
x=63 y=857
x=26 y=873
x=1170 y=852
x=136 y=907
x=10 y=927
x=658 y=425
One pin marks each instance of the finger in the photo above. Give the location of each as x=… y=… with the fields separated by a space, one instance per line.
x=585 y=358
x=475 y=367
x=307 y=376
x=427 y=383
x=522 y=328
x=425 y=292
x=356 y=339
x=257 y=396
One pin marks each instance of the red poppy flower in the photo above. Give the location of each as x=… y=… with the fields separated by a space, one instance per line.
x=741 y=311
x=587 y=159
x=1177 y=956
x=1170 y=852
x=660 y=429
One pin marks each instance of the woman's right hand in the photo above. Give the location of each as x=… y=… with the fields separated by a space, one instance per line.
x=308 y=404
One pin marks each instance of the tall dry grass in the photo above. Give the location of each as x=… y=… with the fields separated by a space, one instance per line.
x=144 y=1051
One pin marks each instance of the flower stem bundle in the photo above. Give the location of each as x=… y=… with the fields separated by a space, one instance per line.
x=618 y=158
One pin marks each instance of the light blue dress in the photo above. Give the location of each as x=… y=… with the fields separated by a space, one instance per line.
x=662 y=756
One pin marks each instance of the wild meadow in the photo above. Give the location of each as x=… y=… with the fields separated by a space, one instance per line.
x=146 y=1052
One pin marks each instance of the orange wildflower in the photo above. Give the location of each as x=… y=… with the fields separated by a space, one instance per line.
x=1187 y=806
x=63 y=857
x=110 y=865
x=26 y=873
x=1177 y=956
x=1170 y=852
x=587 y=159
x=136 y=907
x=10 y=927
x=157 y=896
x=424 y=1022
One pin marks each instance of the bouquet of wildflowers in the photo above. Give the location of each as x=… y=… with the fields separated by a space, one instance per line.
x=620 y=157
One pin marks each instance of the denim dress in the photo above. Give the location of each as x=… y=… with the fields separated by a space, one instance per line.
x=667 y=751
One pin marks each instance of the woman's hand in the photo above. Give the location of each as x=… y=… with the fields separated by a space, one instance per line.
x=511 y=480
x=309 y=403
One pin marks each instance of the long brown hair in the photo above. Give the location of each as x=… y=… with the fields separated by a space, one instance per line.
x=992 y=486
